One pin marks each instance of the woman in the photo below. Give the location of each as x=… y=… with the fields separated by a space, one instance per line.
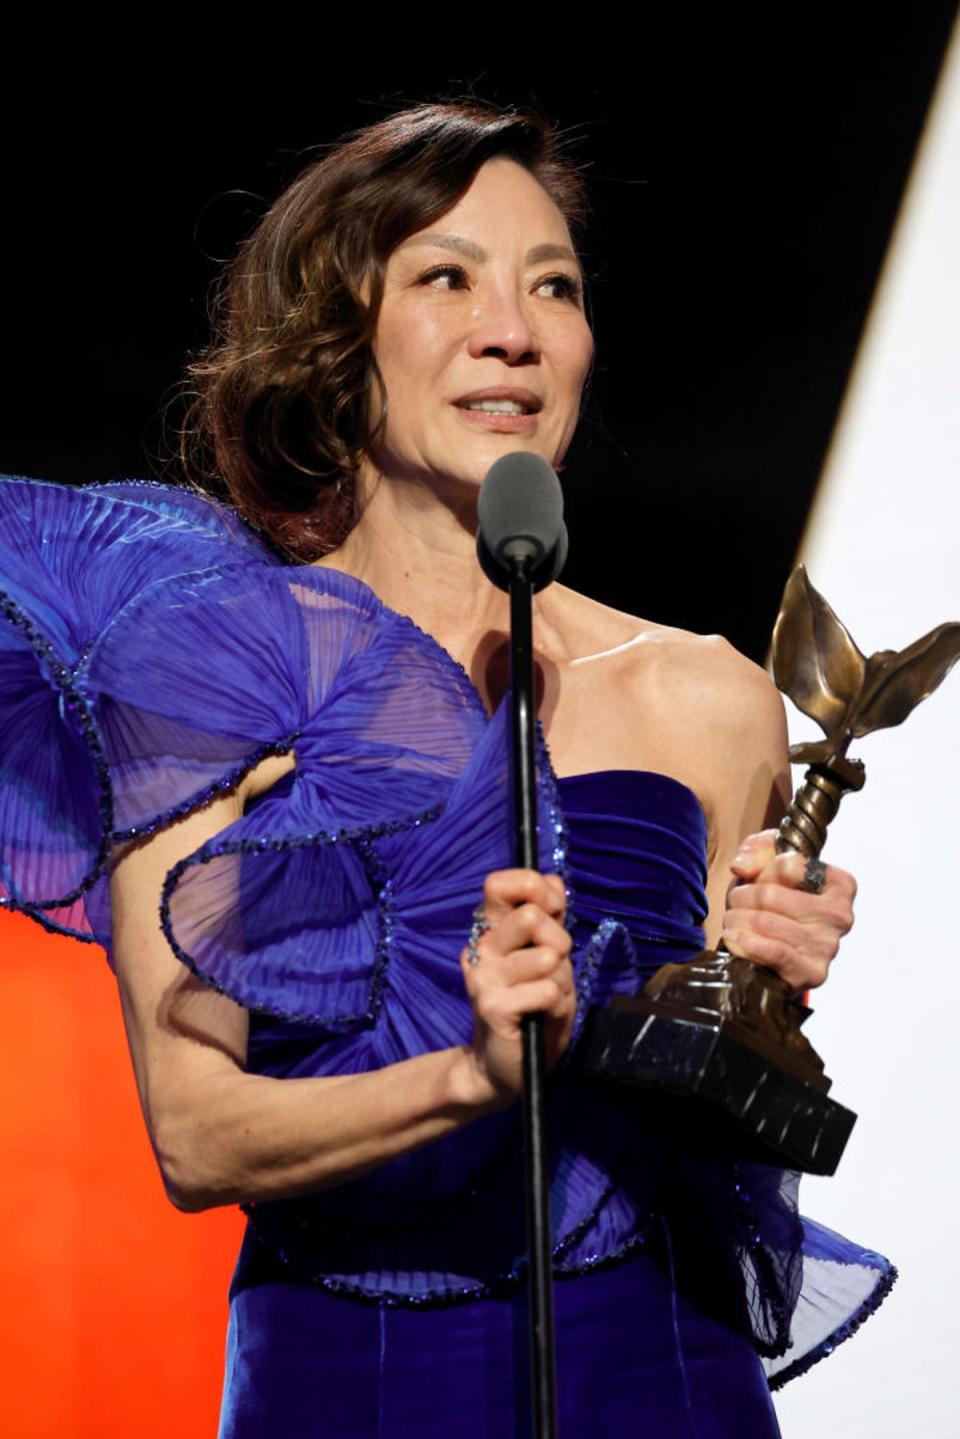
x=290 y=737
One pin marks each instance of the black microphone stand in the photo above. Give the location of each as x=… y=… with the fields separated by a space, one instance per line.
x=521 y=546
x=537 y=1179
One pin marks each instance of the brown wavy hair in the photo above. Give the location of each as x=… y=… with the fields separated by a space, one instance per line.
x=277 y=419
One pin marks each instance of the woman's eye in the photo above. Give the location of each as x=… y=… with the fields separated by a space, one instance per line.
x=563 y=287
x=444 y=277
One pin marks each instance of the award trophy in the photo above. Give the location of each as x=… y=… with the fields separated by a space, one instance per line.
x=719 y=1037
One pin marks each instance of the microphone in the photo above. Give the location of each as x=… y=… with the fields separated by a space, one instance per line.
x=521 y=546
x=520 y=513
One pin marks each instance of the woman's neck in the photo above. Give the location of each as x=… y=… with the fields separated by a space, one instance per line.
x=417 y=553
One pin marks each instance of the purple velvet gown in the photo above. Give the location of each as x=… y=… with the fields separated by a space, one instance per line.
x=154 y=649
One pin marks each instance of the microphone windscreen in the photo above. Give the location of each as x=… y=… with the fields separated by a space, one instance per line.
x=521 y=503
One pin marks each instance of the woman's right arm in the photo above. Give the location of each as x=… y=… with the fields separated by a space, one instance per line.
x=222 y=1136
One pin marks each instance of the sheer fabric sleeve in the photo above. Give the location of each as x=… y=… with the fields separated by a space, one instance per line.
x=72 y=559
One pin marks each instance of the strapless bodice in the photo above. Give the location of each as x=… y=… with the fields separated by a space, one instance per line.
x=636 y=856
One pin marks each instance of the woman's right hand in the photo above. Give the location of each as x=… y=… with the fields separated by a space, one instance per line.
x=522 y=967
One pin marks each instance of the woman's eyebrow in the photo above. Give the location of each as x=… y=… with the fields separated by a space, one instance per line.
x=550 y=250
x=459 y=243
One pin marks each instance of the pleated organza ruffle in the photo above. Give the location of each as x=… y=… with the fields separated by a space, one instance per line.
x=155 y=649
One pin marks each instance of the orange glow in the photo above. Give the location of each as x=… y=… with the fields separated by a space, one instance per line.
x=115 y=1305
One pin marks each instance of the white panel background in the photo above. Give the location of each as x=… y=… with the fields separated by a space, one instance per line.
x=883 y=546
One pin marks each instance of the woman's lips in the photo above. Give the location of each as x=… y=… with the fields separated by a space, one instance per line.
x=502 y=409
x=523 y=424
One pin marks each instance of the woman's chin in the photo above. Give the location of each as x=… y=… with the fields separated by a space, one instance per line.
x=478 y=457
x=464 y=466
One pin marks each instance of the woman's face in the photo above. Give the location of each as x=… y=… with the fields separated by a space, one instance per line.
x=482 y=341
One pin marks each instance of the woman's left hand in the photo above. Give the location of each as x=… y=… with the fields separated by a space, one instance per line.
x=771 y=920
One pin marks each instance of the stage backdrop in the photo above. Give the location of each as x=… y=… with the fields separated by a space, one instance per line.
x=883 y=546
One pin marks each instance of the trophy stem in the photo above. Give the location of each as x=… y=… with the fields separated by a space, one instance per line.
x=815 y=804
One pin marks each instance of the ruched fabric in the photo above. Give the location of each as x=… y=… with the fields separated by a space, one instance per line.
x=154 y=649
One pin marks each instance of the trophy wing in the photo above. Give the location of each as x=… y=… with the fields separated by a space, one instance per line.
x=815 y=661
x=896 y=681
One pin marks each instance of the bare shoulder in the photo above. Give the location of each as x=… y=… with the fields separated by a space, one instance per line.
x=719 y=700
x=719 y=678
x=641 y=695
x=705 y=669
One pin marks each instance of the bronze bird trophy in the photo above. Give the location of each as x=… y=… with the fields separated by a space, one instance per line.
x=719 y=1038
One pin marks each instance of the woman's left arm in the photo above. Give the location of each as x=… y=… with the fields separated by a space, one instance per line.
x=755 y=894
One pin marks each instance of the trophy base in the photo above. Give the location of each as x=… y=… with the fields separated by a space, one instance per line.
x=709 y=1080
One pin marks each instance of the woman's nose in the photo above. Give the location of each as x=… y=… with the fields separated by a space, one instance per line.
x=502 y=329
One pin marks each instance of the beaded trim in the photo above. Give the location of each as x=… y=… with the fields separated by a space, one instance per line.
x=52 y=926
x=361 y=838
x=559 y=834
x=219 y=508
x=623 y=1251
x=850 y=1326
x=579 y=1231
x=444 y=1298
x=220 y=516
x=221 y=785
x=382 y=886
x=586 y=964
x=72 y=699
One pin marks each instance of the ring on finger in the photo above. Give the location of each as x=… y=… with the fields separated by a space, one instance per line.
x=814 y=876
x=478 y=928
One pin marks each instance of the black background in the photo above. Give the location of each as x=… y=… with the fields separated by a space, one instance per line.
x=745 y=167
